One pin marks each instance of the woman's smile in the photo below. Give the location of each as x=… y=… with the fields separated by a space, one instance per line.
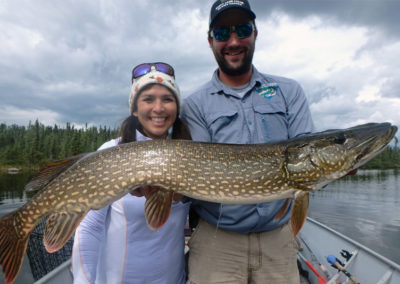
x=156 y=111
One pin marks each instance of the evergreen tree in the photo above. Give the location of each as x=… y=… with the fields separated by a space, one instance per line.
x=36 y=144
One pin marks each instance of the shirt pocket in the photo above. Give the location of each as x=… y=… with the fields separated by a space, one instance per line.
x=271 y=118
x=222 y=125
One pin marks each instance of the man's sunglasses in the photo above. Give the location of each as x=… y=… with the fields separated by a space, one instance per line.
x=224 y=33
x=145 y=68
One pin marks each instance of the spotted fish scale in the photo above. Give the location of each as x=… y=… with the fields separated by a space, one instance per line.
x=224 y=173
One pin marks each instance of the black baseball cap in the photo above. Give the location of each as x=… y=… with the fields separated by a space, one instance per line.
x=222 y=5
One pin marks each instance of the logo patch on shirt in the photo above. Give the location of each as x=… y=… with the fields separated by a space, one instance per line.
x=267 y=91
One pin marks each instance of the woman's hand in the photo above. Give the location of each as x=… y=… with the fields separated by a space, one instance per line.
x=144 y=191
x=147 y=190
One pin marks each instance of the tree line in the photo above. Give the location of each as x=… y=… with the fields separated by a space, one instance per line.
x=388 y=159
x=37 y=144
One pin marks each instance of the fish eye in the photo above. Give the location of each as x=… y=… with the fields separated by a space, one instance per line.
x=340 y=139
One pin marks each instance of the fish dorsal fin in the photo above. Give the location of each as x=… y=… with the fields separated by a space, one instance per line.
x=59 y=228
x=50 y=172
x=299 y=211
x=158 y=207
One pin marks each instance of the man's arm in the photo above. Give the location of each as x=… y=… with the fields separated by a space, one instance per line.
x=299 y=114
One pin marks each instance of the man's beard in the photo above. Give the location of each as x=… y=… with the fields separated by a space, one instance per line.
x=243 y=68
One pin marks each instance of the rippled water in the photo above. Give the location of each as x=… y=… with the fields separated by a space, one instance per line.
x=12 y=193
x=365 y=207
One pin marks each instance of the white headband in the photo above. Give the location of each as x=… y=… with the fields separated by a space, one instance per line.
x=153 y=77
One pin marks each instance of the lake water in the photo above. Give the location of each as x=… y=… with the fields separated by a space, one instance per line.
x=365 y=207
x=12 y=193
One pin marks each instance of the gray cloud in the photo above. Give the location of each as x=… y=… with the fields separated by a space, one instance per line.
x=70 y=61
x=371 y=13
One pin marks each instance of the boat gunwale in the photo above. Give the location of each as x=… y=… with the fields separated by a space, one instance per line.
x=385 y=260
x=390 y=264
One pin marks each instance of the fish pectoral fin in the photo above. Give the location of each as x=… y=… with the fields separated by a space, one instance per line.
x=299 y=211
x=50 y=172
x=158 y=207
x=283 y=210
x=59 y=229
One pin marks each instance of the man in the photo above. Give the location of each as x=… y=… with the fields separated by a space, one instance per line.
x=243 y=243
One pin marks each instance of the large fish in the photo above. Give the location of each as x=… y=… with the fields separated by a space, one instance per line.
x=224 y=173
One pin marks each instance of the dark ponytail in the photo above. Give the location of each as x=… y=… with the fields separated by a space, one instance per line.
x=127 y=131
x=180 y=130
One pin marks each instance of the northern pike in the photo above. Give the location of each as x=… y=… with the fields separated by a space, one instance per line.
x=223 y=173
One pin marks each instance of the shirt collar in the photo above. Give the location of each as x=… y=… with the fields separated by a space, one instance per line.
x=217 y=87
x=141 y=137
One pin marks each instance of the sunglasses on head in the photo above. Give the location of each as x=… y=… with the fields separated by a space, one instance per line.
x=224 y=33
x=143 y=69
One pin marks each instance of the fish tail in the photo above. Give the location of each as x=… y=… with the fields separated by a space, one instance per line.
x=12 y=248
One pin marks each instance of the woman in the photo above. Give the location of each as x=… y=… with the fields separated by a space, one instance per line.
x=114 y=244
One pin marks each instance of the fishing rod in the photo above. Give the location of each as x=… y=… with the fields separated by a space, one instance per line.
x=336 y=263
x=315 y=259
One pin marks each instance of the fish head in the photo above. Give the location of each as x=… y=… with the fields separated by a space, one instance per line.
x=317 y=159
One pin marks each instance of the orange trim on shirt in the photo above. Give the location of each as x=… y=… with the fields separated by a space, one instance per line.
x=80 y=259
x=126 y=241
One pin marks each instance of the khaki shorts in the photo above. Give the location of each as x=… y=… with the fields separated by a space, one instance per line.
x=220 y=256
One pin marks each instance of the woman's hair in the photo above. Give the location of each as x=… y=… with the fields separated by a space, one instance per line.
x=128 y=128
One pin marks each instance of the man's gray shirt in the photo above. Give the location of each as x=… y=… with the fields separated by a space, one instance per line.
x=268 y=109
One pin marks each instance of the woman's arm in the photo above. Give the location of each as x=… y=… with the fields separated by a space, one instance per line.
x=88 y=238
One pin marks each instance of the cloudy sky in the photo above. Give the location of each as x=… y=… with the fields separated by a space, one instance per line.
x=70 y=60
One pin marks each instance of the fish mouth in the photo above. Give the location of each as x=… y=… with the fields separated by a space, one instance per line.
x=372 y=146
